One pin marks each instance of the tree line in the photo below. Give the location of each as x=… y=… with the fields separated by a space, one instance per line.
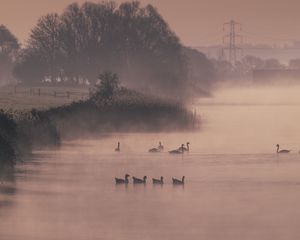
x=128 y=39
x=9 y=47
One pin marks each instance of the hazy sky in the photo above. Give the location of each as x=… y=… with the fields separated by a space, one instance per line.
x=196 y=22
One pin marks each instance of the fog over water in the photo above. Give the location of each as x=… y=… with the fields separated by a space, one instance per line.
x=237 y=187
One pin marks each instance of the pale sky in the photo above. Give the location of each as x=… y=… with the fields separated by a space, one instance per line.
x=196 y=22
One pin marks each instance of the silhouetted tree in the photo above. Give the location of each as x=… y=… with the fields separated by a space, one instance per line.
x=88 y=44
x=294 y=63
x=8 y=49
x=201 y=72
x=133 y=41
x=108 y=86
x=45 y=42
x=273 y=63
x=30 y=67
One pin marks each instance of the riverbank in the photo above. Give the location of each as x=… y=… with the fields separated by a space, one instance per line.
x=123 y=111
x=20 y=132
x=231 y=171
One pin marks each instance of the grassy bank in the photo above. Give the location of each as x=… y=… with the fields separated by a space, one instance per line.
x=21 y=131
x=125 y=111
x=26 y=98
x=109 y=108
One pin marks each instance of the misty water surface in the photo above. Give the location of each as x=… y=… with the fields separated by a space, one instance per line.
x=236 y=186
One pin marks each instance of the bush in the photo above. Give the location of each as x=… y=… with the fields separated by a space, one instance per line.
x=8 y=139
x=114 y=108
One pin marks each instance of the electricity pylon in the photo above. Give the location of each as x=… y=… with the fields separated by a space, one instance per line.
x=232 y=36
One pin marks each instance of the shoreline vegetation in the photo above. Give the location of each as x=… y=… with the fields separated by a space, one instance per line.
x=72 y=48
x=110 y=108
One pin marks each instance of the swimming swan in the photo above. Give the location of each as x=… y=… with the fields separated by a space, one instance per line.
x=187 y=148
x=158 y=149
x=178 y=151
x=118 y=149
x=282 y=151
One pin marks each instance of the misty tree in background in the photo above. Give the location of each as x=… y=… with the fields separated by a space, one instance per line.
x=294 y=63
x=273 y=63
x=85 y=40
x=29 y=67
x=201 y=71
x=223 y=69
x=45 y=43
x=42 y=58
x=8 y=49
x=252 y=62
x=243 y=68
x=88 y=40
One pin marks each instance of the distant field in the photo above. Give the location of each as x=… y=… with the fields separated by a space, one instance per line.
x=44 y=97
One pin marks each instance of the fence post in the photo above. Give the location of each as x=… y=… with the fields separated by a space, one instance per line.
x=55 y=94
x=39 y=92
x=15 y=89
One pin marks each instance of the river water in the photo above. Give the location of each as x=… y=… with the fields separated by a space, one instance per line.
x=236 y=187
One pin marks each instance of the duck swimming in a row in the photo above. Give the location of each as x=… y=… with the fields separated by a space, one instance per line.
x=143 y=180
x=122 y=181
x=158 y=181
x=177 y=181
x=138 y=180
